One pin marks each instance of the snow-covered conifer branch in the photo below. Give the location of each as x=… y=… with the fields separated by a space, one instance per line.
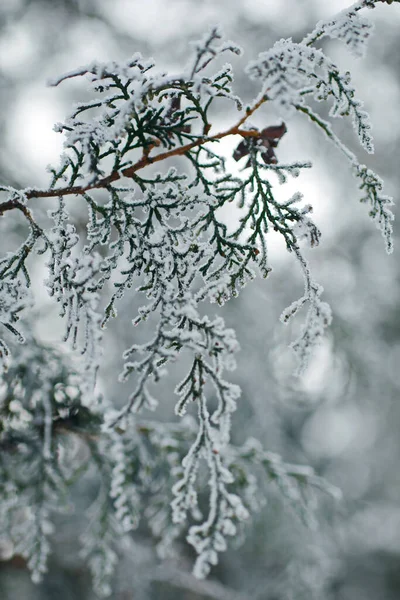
x=370 y=183
x=225 y=508
x=161 y=235
x=290 y=72
x=349 y=26
x=296 y=483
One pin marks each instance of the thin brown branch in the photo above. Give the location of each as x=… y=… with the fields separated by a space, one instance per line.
x=5 y=206
x=11 y=204
x=143 y=162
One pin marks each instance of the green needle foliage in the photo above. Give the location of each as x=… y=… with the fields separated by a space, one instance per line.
x=160 y=233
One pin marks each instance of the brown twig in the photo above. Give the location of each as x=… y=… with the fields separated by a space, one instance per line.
x=144 y=161
x=11 y=204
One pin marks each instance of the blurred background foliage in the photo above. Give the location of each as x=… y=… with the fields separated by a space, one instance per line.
x=343 y=416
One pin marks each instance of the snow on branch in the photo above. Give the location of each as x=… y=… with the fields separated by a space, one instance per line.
x=291 y=71
x=161 y=235
x=349 y=26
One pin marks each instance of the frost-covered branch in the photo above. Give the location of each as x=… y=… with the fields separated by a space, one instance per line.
x=161 y=235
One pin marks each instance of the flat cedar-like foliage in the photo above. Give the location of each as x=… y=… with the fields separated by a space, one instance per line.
x=142 y=155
